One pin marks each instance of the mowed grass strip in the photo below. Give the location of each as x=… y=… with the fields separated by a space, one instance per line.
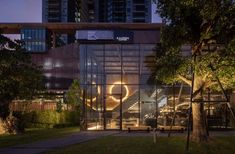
x=33 y=135
x=145 y=145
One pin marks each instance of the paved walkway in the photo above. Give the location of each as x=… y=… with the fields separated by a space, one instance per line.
x=45 y=145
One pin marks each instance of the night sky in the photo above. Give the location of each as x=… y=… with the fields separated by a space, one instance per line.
x=20 y=11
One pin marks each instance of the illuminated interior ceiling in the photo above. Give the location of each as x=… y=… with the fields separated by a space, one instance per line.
x=131 y=103
x=130 y=59
x=125 y=60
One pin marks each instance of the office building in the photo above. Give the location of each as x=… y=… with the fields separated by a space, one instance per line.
x=76 y=11
x=65 y=11
x=131 y=11
x=96 y=11
x=115 y=65
x=35 y=39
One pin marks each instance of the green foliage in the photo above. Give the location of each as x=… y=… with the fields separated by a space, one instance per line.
x=48 y=119
x=20 y=78
x=200 y=20
x=74 y=93
x=59 y=106
x=208 y=27
x=169 y=63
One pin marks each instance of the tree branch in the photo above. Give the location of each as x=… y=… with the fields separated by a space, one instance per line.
x=209 y=84
x=205 y=76
x=189 y=82
x=196 y=92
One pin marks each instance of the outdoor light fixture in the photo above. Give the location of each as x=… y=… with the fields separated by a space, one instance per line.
x=111 y=89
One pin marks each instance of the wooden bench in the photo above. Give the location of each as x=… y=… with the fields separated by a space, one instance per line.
x=139 y=128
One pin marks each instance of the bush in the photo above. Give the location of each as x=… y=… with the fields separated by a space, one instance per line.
x=48 y=119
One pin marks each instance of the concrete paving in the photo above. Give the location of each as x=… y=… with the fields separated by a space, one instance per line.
x=45 y=145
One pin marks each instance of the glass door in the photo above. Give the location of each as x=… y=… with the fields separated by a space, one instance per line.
x=113 y=107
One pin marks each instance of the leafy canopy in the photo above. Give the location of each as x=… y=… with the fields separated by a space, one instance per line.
x=73 y=96
x=207 y=27
x=19 y=77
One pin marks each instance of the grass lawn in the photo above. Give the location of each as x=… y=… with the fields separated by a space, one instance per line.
x=145 y=145
x=32 y=135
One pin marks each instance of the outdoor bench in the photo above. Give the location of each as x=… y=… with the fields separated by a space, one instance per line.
x=139 y=128
x=173 y=128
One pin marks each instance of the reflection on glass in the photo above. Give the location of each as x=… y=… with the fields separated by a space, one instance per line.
x=34 y=39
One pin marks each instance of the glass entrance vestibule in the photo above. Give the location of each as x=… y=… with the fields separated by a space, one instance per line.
x=118 y=89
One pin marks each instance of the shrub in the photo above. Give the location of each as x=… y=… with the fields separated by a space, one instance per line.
x=48 y=119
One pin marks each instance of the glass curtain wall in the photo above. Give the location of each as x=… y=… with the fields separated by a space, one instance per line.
x=34 y=39
x=119 y=91
x=117 y=88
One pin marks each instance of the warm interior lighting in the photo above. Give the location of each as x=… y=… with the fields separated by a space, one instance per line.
x=120 y=83
x=94 y=127
x=98 y=91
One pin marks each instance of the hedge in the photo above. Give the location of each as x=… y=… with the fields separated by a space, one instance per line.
x=48 y=119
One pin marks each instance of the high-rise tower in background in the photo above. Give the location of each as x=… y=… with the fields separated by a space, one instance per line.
x=75 y=11
x=123 y=11
x=138 y=11
x=67 y=10
x=96 y=11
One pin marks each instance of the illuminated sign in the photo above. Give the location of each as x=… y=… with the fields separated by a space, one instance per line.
x=104 y=35
x=92 y=35
x=123 y=36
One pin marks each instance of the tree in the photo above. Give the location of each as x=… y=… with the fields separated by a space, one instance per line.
x=19 y=77
x=208 y=26
x=73 y=95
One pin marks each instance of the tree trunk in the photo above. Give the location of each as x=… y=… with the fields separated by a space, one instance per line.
x=199 y=133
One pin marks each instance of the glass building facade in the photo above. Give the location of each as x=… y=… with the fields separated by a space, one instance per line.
x=35 y=39
x=115 y=64
x=115 y=79
x=119 y=91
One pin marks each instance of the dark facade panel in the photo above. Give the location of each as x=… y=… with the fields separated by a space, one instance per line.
x=148 y=36
x=119 y=36
x=60 y=66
